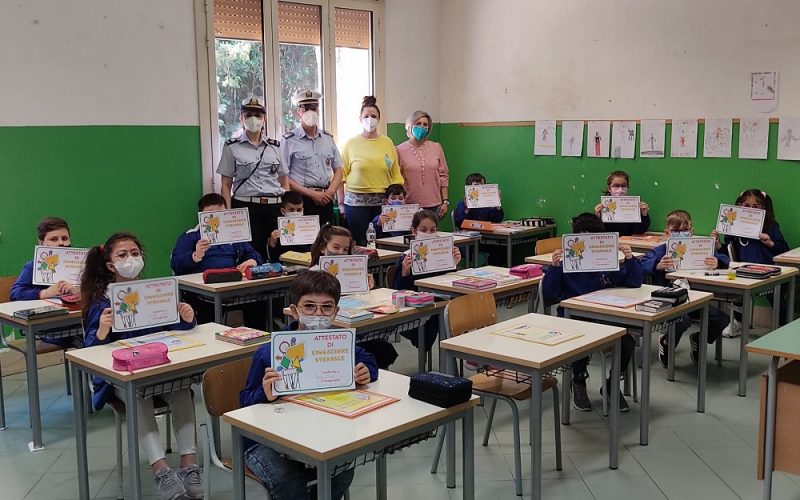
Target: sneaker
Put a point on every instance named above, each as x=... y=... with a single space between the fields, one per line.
x=734 y=329
x=663 y=351
x=623 y=404
x=580 y=398
x=694 y=342
x=169 y=484
x=192 y=480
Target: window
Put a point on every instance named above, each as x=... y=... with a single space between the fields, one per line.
x=354 y=68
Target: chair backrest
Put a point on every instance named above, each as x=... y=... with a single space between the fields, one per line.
x=548 y=245
x=6 y=282
x=390 y=272
x=221 y=386
x=470 y=312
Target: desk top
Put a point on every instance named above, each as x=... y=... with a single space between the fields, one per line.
x=783 y=342
x=790 y=258
x=504 y=229
x=304 y=258
x=546 y=259
x=722 y=280
x=7 y=310
x=99 y=357
x=398 y=241
x=324 y=436
x=646 y=241
x=484 y=343
x=642 y=293
x=444 y=282
x=195 y=281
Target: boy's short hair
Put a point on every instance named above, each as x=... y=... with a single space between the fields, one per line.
x=209 y=200
x=678 y=218
x=309 y=282
x=395 y=189
x=50 y=224
x=475 y=177
x=587 y=222
x=292 y=197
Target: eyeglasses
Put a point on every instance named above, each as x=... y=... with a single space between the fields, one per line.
x=751 y=205
x=123 y=254
x=309 y=308
x=619 y=185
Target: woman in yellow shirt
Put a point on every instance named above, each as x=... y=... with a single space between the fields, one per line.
x=369 y=165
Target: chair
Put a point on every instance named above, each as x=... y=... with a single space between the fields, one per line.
x=547 y=245
x=390 y=272
x=474 y=311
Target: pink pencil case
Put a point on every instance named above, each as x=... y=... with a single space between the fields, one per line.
x=526 y=271
x=130 y=359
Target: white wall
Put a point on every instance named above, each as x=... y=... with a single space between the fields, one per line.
x=506 y=60
x=412 y=58
x=98 y=62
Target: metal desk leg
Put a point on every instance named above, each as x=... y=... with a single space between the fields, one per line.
x=747 y=315
x=613 y=446
x=217 y=308
x=80 y=432
x=769 y=437
x=442 y=337
x=270 y=316
x=450 y=434
x=475 y=252
x=238 y=463
x=33 y=389
x=644 y=414
x=381 y=277
x=468 y=449
x=3 y=425
x=536 y=435
x=509 y=251
x=670 y=352
x=380 y=478
x=790 y=300
x=324 y=481
x=566 y=396
x=132 y=417
x=421 y=347
x=776 y=307
x=702 y=361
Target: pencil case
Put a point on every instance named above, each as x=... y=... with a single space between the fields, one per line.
x=264 y=271
x=413 y=299
x=526 y=271
x=439 y=389
x=222 y=275
x=130 y=359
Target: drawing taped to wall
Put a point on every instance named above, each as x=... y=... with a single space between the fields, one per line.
x=623 y=139
x=651 y=138
x=544 y=143
x=789 y=139
x=717 y=138
x=684 y=139
x=572 y=138
x=598 y=132
x=753 y=138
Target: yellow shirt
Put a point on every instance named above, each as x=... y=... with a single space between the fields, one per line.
x=370 y=165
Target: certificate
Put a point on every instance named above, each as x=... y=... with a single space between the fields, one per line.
x=173 y=341
x=350 y=270
x=432 y=255
x=225 y=226
x=144 y=303
x=537 y=335
x=734 y=220
x=348 y=404
x=313 y=360
x=482 y=195
x=298 y=230
x=399 y=217
x=590 y=252
x=690 y=253
x=620 y=209
x=54 y=264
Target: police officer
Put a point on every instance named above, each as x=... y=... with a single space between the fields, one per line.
x=315 y=166
x=253 y=175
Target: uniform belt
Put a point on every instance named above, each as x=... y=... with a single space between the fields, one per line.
x=318 y=189
x=264 y=200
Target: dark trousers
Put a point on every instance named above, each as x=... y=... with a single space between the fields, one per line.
x=717 y=321
x=254 y=313
x=325 y=212
x=579 y=372
x=358 y=219
x=263 y=220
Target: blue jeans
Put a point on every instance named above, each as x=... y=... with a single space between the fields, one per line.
x=287 y=479
x=358 y=219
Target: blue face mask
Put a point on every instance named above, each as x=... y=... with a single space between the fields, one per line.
x=418 y=132
x=680 y=234
x=395 y=202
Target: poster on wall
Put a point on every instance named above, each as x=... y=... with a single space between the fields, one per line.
x=544 y=143
x=597 y=139
x=651 y=138
x=717 y=135
x=684 y=139
x=753 y=138
x=572 y=138
x=789 y=139
x=623 y=139
x=763 y=91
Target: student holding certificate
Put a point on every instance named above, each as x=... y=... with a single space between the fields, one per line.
x=617 y=185
x=120 y=259
x=314 y=297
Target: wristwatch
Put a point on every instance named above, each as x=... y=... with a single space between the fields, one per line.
x=446 y=202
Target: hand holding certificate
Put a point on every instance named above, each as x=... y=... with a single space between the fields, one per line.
x=432 y=255
x=144 y=303
x=350 y=270
x=482 y=195
x=616 y=209
x=313 y=361
x=590 y=252
x=397 y=217
x=735 y=220
x=225 y=226
x=298 y=230
x=54 y=264
x=690 y=253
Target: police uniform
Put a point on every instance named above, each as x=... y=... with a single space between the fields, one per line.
x=311 y=160
x=255 y=169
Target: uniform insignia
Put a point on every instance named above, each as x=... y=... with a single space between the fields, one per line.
x=232 y=140
x=287 y=135
x=273 y=142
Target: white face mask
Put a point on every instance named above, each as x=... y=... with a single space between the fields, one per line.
x=425 y=236
x=369 y=124
x=315 y=322
x=130 y=267
x=293 y=214
x=618 y=191
x=253 y=124
x=310 y=118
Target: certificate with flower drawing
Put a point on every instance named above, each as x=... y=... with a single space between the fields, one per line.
x=225 y=226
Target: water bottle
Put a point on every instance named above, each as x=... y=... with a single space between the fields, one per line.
x=371 y=236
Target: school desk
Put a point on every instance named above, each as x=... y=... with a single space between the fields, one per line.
x=534 y=361
x=790 y=258
x=385 y=259
x=546 y=259
x=644 y=242
x=511 y=235
x=468 y=244
x=331 y=443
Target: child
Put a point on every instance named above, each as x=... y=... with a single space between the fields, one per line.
x=120 y=259
x=617 y=185
x=656 y=263
x=314 y=296
x=497 y=254
x=761 y=251
x=395 y=195
x=558 y=286
x=195 y=255
x=53 y=232
x=423 y=225
x=291 y=206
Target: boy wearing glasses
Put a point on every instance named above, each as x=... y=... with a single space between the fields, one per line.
x=314 y=299
x=315 y=166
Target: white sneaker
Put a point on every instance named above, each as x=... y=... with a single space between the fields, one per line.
x=734 y=329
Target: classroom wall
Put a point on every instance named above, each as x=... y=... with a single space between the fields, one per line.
x=99 y=123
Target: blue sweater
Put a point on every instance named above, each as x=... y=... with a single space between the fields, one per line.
x=216 y=257
x=654 y=256
x=489 y=214
x=747 y=250
x=558 y=286
x=628 y=228
x=23 y=288
x=103 y=391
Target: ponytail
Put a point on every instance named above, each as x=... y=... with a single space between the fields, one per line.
x=96 y=275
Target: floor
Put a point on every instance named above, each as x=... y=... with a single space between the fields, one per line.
x=690 y=455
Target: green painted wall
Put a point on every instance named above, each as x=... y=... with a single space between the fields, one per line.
x=101 y=179
x=563 y=187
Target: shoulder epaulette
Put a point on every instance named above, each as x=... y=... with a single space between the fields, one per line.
x=273 y=142
x=231 y=140
x=288 y=134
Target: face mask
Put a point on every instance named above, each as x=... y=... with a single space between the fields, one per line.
x=330 y=253
x=680 y=234
x=293 y=214
x=425 y=236
x=315 y=322
x=130 y=267
x=253 y=124
x=418 y=132
x=369 y=124
x=395 y=202
x=310 y=118
x=618 y=191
